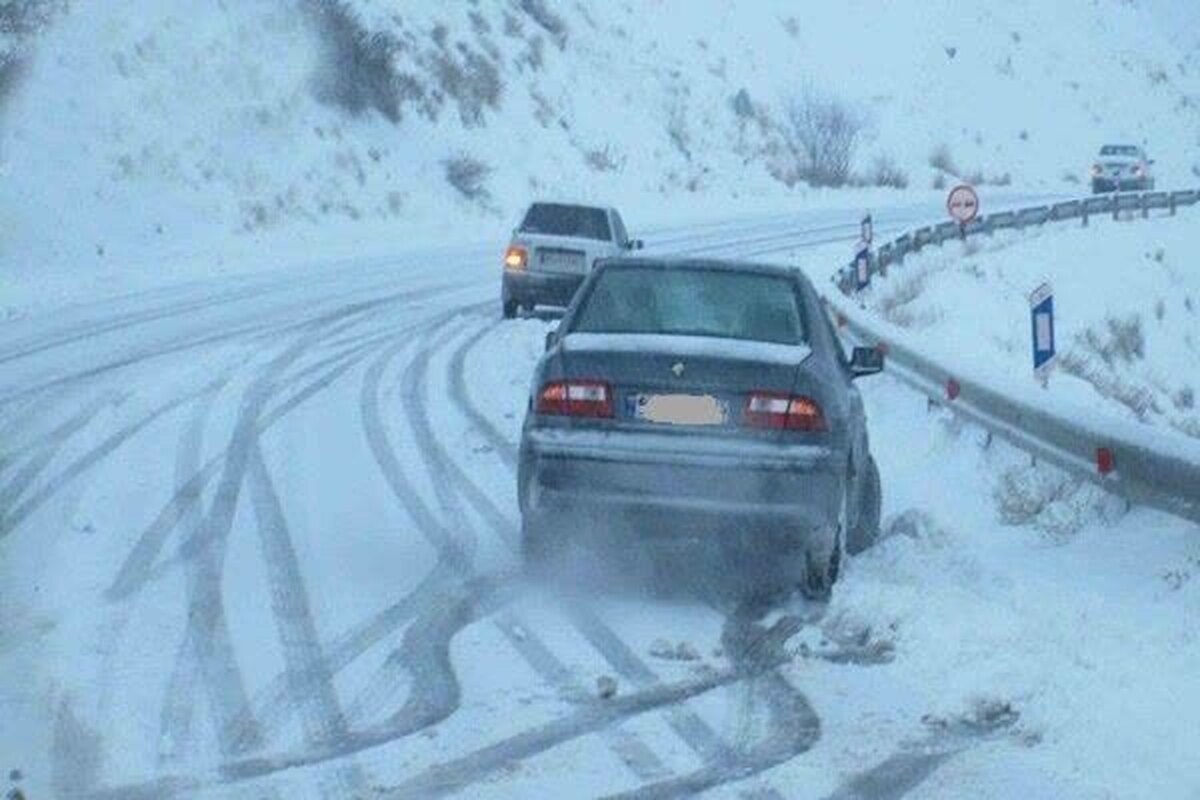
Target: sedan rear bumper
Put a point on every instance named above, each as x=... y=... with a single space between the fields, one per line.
x=530 y=287
x=664 y=487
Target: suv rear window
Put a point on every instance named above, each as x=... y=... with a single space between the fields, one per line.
x=562 y=220
x=692 y=302
x=1118 y=150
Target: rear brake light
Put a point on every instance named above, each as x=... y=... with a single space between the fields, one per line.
x=1097 y=170
x=575 y=399
x=783 y=412
x=516 y=258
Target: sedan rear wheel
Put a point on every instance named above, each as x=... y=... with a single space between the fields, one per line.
x=865 y=529
x=821 y=570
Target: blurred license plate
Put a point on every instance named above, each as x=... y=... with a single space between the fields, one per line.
x=552 y=259
x=679 y=409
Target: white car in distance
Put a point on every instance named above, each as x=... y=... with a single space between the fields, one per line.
x=553 y=250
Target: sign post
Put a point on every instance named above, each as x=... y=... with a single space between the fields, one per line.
x=1041 y=315
x=862 y=255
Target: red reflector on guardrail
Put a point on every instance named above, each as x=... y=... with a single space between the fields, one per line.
x=952 y=389
x=1105 y=461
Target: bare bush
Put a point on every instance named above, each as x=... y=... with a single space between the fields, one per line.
x=468 y=176
x=474 y=82
x=1138 y=399
x=603 y=159
x=940 y=159
x=1122 y=341
x=23 y=18
x=546 y=19
x=822 y=134
x=677 y=130
x=885 y=172
x=357 y=73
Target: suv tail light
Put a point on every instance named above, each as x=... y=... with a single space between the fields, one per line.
x=516 y=258
x=783 y=412
x=575 y=399
x=1097 y=170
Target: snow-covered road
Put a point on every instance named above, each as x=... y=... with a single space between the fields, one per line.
x=258 y=540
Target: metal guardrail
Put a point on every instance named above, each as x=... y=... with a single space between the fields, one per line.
x=1142 y=464
x=1083 y=209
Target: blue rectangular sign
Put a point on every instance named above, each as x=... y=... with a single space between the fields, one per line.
x=1041 y=314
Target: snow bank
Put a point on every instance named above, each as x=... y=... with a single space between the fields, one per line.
x=1127 y=303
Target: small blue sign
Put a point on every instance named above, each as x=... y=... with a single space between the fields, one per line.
x=1041 y=314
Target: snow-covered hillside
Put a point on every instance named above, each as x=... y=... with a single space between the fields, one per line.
x=148 y=141
x=1127 y=303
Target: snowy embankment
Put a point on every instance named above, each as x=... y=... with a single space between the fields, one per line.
x=148 y=143
x=1127 y=312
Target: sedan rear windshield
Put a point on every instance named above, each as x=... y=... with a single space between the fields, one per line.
x=1118 y=150
x=562 y=220
x=692 y=302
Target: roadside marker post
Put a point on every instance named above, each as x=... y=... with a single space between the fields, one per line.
x=862 y=254
x=1041 y=317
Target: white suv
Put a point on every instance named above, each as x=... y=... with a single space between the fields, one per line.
x=554 y=248
x=1122 y=168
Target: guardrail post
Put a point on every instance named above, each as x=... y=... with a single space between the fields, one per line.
x=1171 y=202
x=1145 y=207
x=1084 y=214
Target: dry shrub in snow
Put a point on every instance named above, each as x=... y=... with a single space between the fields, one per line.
x=603 y=159
x=357 y=74
x=941 y=160
x=1122 y=341
x=21 y=18
x=546 y=19
x=822 y=134
x=468 y=175
x=884 y=172
x=1050 y=500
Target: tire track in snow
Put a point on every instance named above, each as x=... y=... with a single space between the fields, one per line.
x=176 y=718
x=309 y=677
x=45 y=448
x=723 y=763
x=206 y=636
x=445 y=475
x=22 y=510
x=138 y=566
x=457 y=774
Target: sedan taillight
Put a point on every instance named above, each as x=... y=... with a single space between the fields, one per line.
x=783 y=412
x=575 y=398
x=516 y=258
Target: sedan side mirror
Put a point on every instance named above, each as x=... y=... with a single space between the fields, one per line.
x=551 y=338
x=866 y=361
x=634 y=244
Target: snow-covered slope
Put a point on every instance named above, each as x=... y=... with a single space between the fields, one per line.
x=1127 y=303
x=151 y=140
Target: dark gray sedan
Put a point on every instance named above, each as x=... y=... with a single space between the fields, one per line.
x=700 y=404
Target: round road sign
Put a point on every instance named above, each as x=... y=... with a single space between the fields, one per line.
x=963 y=204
